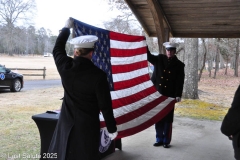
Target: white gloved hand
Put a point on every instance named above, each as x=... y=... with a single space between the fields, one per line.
x=113 y=135
x=69 y=23
x=178 y=99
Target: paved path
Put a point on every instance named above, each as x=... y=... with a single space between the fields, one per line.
x=192 y=140
x=41 y=84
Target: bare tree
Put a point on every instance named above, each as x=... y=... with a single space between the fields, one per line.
x=210 y=67
x=31 y=39
x=211 y=49
x=236 y=59
x=119 y=4
x=227 y=57
x=221 y=59
x=180 y=53
x=18 y=43
x=42 y=38
x=226 y=49
x=190 y=89
x=234 y=49
x=123 y=25
x=126 y=13
x=204 y=58
x=14 y=11
x=217 y=59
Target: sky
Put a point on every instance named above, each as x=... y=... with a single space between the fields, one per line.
x=52 y=14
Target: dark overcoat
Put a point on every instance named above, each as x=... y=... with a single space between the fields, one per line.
x=86 y=92
x=231 y=123
x=168 y=77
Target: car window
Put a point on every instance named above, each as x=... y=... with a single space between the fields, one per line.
x=2 y=69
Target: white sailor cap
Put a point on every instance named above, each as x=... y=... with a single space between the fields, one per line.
x=170 y=45
x=86 y=41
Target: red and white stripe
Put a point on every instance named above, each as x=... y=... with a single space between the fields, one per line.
x=136 y=102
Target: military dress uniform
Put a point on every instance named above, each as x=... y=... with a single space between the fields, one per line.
x=86 y=92
x=168 y=78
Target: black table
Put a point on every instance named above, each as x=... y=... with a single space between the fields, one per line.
x=46 y=123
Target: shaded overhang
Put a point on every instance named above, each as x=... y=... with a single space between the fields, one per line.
x=188 y=18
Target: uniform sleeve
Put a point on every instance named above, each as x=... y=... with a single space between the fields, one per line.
x=180 y=80
x=236 y=99
x=105 y=104
x=59 y=52
x=151 y=58
x=231 y=121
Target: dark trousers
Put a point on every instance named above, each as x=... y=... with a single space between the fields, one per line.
x=236 y=145
x=163 y=132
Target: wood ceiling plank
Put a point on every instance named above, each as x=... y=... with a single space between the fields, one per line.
x=139 y=2
x=194 y=18
x=205 y=22
x=202 y=5
x=144 y=25
x=203 y=17
x=201 y=11
x=208 y=35
x=173 y=2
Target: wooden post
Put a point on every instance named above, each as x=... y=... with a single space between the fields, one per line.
x=44 y=72
x=166 y=32
x=162 y=27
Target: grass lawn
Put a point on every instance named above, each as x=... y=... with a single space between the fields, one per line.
x=200 y=110
x=19 y=133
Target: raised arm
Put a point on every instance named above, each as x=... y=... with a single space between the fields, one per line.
x=151 y=58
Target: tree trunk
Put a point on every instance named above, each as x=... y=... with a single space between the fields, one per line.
x=204 y=59
x=221 y=61
x=210 y=73
x=226 y=68
x=227 y=58
x=236 y=60
x=217 y=59
x=190 y=89
x=210 y=66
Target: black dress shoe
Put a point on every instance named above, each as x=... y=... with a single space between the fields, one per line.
x=166 y=146
x=158 y=144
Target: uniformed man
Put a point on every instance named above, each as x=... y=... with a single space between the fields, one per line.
x=168 y=78
x=86 y=92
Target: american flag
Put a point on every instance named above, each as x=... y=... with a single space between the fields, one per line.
x=136 y=103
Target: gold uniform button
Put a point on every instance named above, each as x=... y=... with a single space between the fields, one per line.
x=163 y=70
x=167 y=79
x=165 y=86
x=160 y=84
x=169 y=72
x=162 y=77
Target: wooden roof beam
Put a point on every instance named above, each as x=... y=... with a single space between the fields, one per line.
x=159 y=24
x=131 y=6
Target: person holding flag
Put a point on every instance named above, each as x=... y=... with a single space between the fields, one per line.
x=86 y=93
x=168 y=78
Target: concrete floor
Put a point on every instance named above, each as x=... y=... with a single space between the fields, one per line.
x=191 y=140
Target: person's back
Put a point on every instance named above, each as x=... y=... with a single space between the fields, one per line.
x=81 y=83
x=86 y=93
